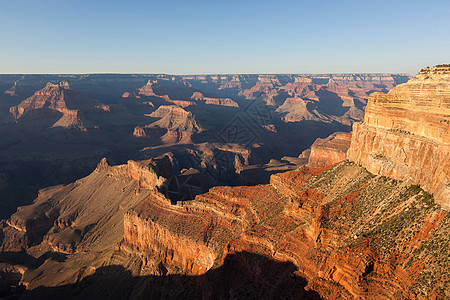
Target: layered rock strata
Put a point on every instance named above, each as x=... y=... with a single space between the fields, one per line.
x=179 y=125
x=61 y=99
x=64 y=217
x=350 y=234
x=329 y=151
x=197 y=96
x=406 y=133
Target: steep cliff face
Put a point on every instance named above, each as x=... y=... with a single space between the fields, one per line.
x=349 y=233
x=406 y=133
x=421 y=106
x=146 y=232
x=329 y=151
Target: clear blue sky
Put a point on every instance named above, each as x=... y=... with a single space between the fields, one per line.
x=246 y=36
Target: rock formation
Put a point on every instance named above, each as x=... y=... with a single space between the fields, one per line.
x=213 y=101
x=297 y=109
x=179 y=123
x=12 y=91
x=64 y=220
x=147 y=90
x=319 y=222
x=59 y=98
x=329 y=151
x=406 y=133
x=346 y=231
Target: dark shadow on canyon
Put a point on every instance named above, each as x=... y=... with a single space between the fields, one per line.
x=243 y=275
x=24 y=259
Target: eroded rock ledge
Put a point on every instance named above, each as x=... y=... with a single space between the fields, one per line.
x=329 y=151
x=350 y=234
x=406 y=133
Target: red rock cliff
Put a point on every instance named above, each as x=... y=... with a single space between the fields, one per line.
x=329 y=151
x=406 y=133
x=339 y=228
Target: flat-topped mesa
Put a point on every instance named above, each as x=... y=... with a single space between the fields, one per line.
x=406 y=133
x=214 y=101
x=165 y=110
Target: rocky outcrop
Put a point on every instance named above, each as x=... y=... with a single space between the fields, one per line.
x=64 y=220
x=197 y=96
x=60 y=98
x=11 y=91
x=297 y=109
x=339 y=228
x=130 y=95
x=147 y=90
x=421 y=106
x=144 y=175
x=51 y=97
x=146 y=232
x=180 y=125
x=405 y=134
x=329 y=151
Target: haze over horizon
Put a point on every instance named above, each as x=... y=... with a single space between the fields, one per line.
x=202 y=37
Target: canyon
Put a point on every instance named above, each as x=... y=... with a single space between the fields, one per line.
x=56 y=128
x=360 y=215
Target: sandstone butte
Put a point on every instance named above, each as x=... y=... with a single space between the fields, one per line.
x=197 y=96
x=349 y=232
x=179 y=124
x=59 y=98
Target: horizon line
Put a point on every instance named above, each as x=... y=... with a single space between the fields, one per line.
x=208 y=74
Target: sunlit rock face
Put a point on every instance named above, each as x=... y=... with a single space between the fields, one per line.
x=59 y=99
x=329 y=151
x=406 y=133
x=349 y=233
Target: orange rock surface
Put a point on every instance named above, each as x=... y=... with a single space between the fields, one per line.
x=406 y=133
x=329 y=151
x=330 y=225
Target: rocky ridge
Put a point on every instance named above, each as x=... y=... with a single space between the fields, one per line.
x=197 y=96
x=316 y=221
x=59 y=98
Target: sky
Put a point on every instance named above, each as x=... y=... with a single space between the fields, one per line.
x=210 y=37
